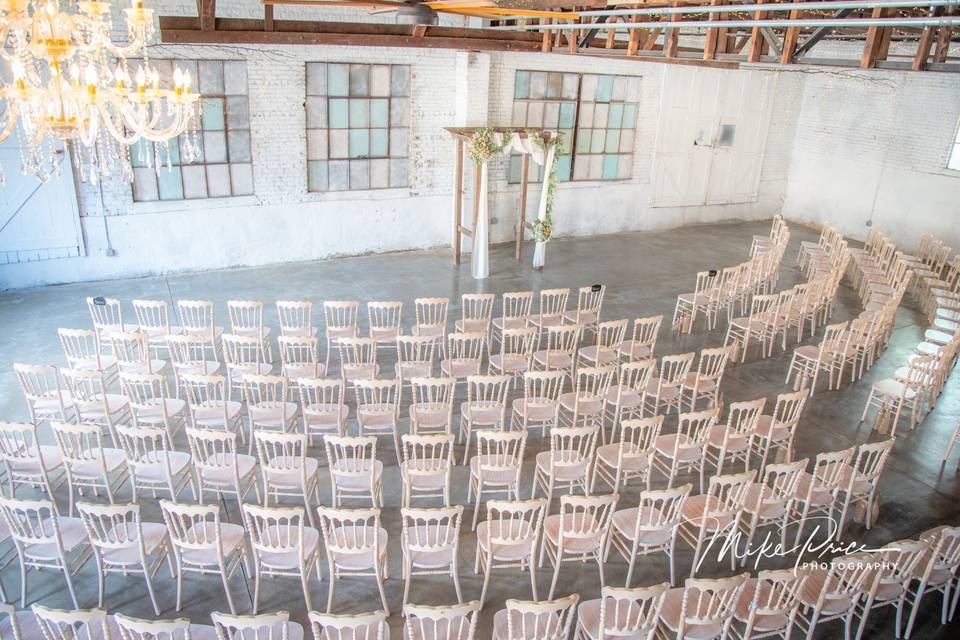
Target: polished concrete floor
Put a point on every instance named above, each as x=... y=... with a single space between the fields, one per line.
x=643 y=272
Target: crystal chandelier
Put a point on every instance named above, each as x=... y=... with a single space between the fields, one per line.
x=68 y=85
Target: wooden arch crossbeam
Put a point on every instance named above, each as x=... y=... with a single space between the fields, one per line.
x=461 y=136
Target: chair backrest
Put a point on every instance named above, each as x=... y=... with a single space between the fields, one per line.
x=341 y=315
x=645 y=332
x=214 y=450
x=80 y=346
x=146 y=448
x=706 y=281
x=281 y=452
x=590 y=300
x=205 y=392
x=661 y=509
x=516 y=305
x=242 y=350
x=514 y=522
x=726 y=495
x=712 y=363
x=384 y=314
x=358 y=351
x=193 y=526
x=787 y=410
x=544 y=619
x=674 y=369
x=18 y=444
x=477 y=307
x=265 y=626
x=829 y=469
x=638 y=437
x=351 y=456
x=488 y=392
x=500 y=451
x=146 y=391
x=553 y=303
x=921 y=371
x=246 y=317
x=630 y=612
x=694 y=428
x=296 y=317
x=130 y=349
x=360 y=626
x=431 y=530
x=40 y=382
x=299 y=352
x=112 y=526
x=742 y=416
x=518 y=344
x=79 y=443
x=572 y=446
x=945 y=549
x=634 y=376
x=763 y=306
x=777 y=596
x=583 y=517
x=265 y=393
x=188 y=351
x=610 y=334
x=834 y=338
x=152 y=314
x=542 y=388
x=431 y=312
x=592 y=383
x=899 y=561
x=451 y=621
x=274 y=529
x=197 y=316
x=139 y=629
x=415 y=350
x=870 y=459
x=352 y=531
x=466 y=347
x=106 y=314
x=563 y=339
x=428 y=454
x=781 y=479
x=31 y=522
x=709 y=602
x=846 y=580
x=380 y=397
x=433 y=394
x=85 y=386
x=79 y=624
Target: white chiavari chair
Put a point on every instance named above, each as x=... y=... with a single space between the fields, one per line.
x=456 y=622
x=198 y=318
x=383 y=322
x=154 y=464
x=151 y=404
x=360 y=626
x=268 y=407
x=770 y=502
x=686 y=449
x=203 y=544
x=540 y=404
x=219 y=467
x=210 y=405
x=78 y=624
x=45 y=540
x=153 y=320
x=323 y=407
x=28 y=462
x=809 y=361
x=188 y=355
x=818 y=492
x=663 y=390
x=775 y=433
x=559 y=352
x=629 y=457
x=47 y=398
x=705 y=381
x=131 y=351
x=643 y=339
x=621 y=613
x=296 y=318
x=88 y=464
x=378 y=409
x=476 y=313
x=833 y=593
x=860 y=481
x=515 y=307
x=937 y=573
x=342 y=320
x=893 y=397
x=93 y=403
x=139 y=629
x=414 y=358
x=509 y=538
x=246 y=319
x=568 y=464
x=713 y=514
x=768 y=605
x=626 y=393
x=358 y=359
x=589 y=304
x=356 y=545
x=484 y=409
x=300 y=358
x=464 y=355
x=897 y=564
x=551 y=308
x=754 y=327
x=700 y=301
x=732 y=439
x=427 y=466
x=703 y=608
x=354 y=468
x=286 y=468
x=430 y=540
x=243 y=355
x=516 y=352
x=587 y=404
x=431 y=410
x=430 y=319
x=496 y=467
x=122 y=543
x=536 y=620
x=266 y=626
x=282 y=547
x=578 y=532
x=650 y=527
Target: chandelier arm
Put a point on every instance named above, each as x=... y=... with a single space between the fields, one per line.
x=118 y=131
x=10 y=115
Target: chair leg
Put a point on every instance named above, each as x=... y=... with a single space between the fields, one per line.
x=226 y=588
x=556 y=574
x=383 y=596
x=456 y=581
x=533 y=579
x=333 y=581
x=69 y=580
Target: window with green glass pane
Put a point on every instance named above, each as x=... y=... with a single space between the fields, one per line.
x=223 y=167
x=357 y=126
x=595 y=113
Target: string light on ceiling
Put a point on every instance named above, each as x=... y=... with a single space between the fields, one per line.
x=67 y=85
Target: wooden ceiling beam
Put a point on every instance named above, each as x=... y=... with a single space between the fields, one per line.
x=207 y=10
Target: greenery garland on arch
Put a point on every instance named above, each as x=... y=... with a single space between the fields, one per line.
x=483 y=144
x=542 y=230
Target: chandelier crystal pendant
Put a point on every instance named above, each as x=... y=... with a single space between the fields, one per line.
x=68 y=85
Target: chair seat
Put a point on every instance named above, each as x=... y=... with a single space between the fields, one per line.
x=759 y=500
x=538 y=410
x=576 y=544
x=599 y=355
x=231 y=538
x=325 y=415
x=429 y=415
x=385 y=335
x=586 y=316
x=207 y=368
x=334 y=333
x=634 y=458
x=213 y=415
x=685 y=449
x=222 y=474
x=810 y=352
x=154 y=469
x=546 y=320
x=460 y=368
x=704 y=385
x=113 y=459
x=154 y=535
x=767 y=429
x=504 y=471
x=296 y=371
x=625 y=522
x=509 y=323
x=289 y=559
x=667 y=392
x=429 y=536
x=472 y=325
x=635 y=350
x=860 y=484
x=49 y=454
x=812 y=589
x=509 y=363
x=629 y=397
x=352 y=537
x=356 y=477
x=429 y=331
x=486 y=416
x=670 y=614
x=277 y=417
x=153 y=413
x=72 y=535
x=937 y=337
x=425 y=475
x=408 y=370
x=735 y=441
x=819 y=496
x=94 y=409
x=893 y=389
x=143 y=367
x=553 y=359
x=589 y=405
x=51 y=406
x=508 y=552
x=762 y=622
x=359 y=371
x=573 y=467
x=298 y=332
x=377 y=420
x=286 y=473
x=705 y=510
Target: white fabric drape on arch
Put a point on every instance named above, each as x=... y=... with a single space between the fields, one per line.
x=480 y=258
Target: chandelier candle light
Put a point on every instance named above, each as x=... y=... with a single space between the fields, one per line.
x=68 y=85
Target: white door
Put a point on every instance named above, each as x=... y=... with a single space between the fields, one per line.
x=713 y=128
x=38 y=220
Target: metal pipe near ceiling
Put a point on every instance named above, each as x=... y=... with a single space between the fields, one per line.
x=706 y=24
x=773 y=7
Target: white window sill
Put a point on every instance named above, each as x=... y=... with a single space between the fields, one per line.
x=168 y=206
x=351 y=194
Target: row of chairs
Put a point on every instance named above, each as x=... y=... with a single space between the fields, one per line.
x=774 y=603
